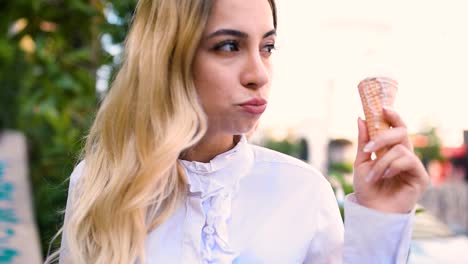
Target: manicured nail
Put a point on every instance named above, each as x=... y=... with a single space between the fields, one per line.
x=368 y=147
x=388 y=108
x=370 y=176
x=387 y=171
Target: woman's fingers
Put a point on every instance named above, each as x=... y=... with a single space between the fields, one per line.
x=363 y=138
x=389 y=138
x=393 y=118
x=409 y=164
x=383 y=165
x=398 y=166
x=396 y=161
x=386 y=139
x=397 y=135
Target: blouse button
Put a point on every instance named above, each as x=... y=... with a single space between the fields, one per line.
x=208 y=230
x=210 y=241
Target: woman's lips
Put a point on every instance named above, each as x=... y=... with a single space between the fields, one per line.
x=254 y=106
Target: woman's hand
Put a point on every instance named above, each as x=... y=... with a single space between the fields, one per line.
x=394 y=182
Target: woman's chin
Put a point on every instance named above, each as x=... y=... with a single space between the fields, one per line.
x=247 y=128
x=235 y=126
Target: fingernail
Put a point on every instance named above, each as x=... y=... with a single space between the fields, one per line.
x=370 y=176
x=387 y=171
x=368 y=147
x=388 y=108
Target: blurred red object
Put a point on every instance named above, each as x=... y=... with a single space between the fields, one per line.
x=439 y=171
x=420 y=141
x=454 y=152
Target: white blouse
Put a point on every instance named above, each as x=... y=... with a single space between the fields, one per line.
x=252 y=205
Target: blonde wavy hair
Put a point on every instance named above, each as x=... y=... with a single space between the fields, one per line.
x=132 y=180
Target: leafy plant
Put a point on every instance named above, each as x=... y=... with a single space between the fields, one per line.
x=431 y=150
x=50 y=52
x=286 y=146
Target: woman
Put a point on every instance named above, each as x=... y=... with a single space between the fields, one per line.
x=169 y=177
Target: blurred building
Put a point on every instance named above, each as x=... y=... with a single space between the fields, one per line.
x=340 y=151
x=311 y=135
x=315 y=133
x=447 y=197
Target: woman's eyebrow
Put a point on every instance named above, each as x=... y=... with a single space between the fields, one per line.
x=228 y=32
x=237 y=33
x=270 y=33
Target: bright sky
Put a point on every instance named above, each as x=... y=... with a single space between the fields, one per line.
x=327 y=47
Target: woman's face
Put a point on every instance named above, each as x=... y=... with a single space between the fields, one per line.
x=232 y=67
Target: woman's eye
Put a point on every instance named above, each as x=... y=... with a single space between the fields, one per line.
x=228 y=46
x=269 y=48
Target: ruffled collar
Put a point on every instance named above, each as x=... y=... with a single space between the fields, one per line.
x=216 y=183
x=222 y=172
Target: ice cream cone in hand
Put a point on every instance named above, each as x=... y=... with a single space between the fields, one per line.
x=376 y=93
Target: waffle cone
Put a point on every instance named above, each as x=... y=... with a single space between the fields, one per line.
x=376 y=93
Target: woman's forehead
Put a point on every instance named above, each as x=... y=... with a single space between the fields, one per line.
x=246 y=15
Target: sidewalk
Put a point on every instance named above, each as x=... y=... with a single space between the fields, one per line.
x=19 y=241
x=449 y=203
x=439 y=233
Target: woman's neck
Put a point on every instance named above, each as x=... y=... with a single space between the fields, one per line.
x=210 y=146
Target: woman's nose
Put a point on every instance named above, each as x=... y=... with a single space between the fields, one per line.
x=255 y=73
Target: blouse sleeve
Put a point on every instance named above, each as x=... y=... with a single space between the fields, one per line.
x=326 y=246
x=369 y=237
x=73 y=180
x=375 y=237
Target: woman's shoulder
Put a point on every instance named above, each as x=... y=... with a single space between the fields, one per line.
x=286 y=167
x=271 y=157
x=267 y=155
x=77 y=172
x=293 y=181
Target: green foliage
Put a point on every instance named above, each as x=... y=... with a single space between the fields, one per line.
x=336 y=172
x=433 y=149
x=285 y=146
x=347 y=187
x=341 y=167
x=49 y=54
